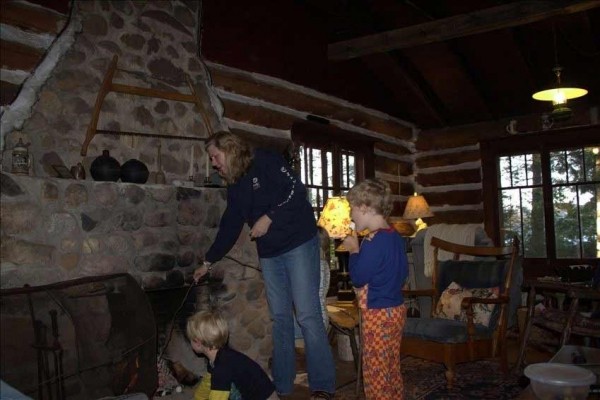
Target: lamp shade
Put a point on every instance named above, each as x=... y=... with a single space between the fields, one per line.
x=559 y=95
x=335 y=218
x=416 y=208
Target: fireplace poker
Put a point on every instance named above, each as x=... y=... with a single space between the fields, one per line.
x=42 y=347
x=57 y=353
x=36 y=338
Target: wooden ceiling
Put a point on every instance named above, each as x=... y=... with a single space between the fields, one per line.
x=436 y=63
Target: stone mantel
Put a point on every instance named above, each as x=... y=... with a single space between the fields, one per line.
x=57 y=229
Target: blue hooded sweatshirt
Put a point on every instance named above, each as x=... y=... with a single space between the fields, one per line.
x=269 y=187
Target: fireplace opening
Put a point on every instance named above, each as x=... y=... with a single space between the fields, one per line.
x=82 y=339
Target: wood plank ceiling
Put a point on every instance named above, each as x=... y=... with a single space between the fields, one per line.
x=432 y=62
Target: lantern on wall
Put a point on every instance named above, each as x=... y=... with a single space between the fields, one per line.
x=20 y=159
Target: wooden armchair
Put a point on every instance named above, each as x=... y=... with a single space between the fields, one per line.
x=481 y=289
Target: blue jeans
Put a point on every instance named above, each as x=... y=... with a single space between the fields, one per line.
x=292 y=282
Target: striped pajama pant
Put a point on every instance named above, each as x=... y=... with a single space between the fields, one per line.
x=381 y=340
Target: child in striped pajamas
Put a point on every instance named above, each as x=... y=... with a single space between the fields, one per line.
x=378 y=268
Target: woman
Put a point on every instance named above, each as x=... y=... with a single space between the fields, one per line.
x=265 y=193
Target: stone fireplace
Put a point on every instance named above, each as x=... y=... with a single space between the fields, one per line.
x=56 y=230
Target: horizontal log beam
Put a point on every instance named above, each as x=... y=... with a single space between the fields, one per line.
x=489 y=19
x=15 y=56
x=279 y=145
x=393 y=167
x=34 y=19
x=454 y=198
x=447 y=138
x=442 y=160
x=456 y=217
x=392 y=148
x=8 y=92
x=258 y=115
x=249 y=86
x=450 y=178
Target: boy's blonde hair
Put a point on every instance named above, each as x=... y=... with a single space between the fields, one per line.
x=209 y=328
x=238 y=154
x=374 y=193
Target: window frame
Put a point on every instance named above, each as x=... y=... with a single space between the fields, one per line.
x=330 y=138
x=543 y=142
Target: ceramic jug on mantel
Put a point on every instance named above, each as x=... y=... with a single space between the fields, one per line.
x=105 y=168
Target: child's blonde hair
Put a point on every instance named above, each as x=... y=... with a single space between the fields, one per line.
x=209 y=328
x=374 y=193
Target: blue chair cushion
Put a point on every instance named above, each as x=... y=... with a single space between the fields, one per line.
x=441 y=330
x=471 y=274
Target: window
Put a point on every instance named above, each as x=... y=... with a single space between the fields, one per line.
x=316 y=171
x=544 y=188
x=331 y=160
x=575 y=187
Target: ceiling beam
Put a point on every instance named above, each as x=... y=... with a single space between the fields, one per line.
x=489 y=19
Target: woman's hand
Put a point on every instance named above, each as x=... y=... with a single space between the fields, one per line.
x=350 y=242
x=200 y=272
x=261 y=227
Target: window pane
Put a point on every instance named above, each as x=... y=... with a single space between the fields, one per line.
x=518 y=170
x=534 y=233
x=522 y=215
x=510 y=213
x=317 y=171
x=589 y=203
x=521 y=170
x=558 y=166
x=592 y=164
x=568 y=166
x=504 y=171
x=352 y=171
x=329 y=168
x=313 y=196
x=566 y=221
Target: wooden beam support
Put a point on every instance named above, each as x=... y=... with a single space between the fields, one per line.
x=489 y=19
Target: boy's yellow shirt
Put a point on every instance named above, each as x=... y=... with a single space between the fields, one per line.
x=203 y=391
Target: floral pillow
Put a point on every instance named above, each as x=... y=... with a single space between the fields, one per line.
x=448 y=306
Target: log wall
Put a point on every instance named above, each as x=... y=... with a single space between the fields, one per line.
x=264 y=109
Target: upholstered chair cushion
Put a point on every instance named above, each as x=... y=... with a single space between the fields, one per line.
x=449 y=304
x=469 y=274
x=441 y=330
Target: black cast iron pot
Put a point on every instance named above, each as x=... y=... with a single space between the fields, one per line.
x=134 y=171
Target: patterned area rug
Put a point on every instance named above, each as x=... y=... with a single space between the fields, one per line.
x=424 y=380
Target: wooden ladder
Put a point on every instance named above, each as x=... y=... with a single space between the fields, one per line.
x=109 y=86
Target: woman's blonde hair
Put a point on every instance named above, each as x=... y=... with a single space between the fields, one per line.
x=209 y=328
x=374 y=193
x=238 y=154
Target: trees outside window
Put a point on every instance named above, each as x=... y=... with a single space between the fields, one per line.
x=545 y=189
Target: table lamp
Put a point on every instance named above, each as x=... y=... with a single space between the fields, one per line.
x=335 y=219
x=417 y=208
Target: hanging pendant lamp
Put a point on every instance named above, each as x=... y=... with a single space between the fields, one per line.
x=559 y=95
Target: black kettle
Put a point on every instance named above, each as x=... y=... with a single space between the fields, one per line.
x=105 y=168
